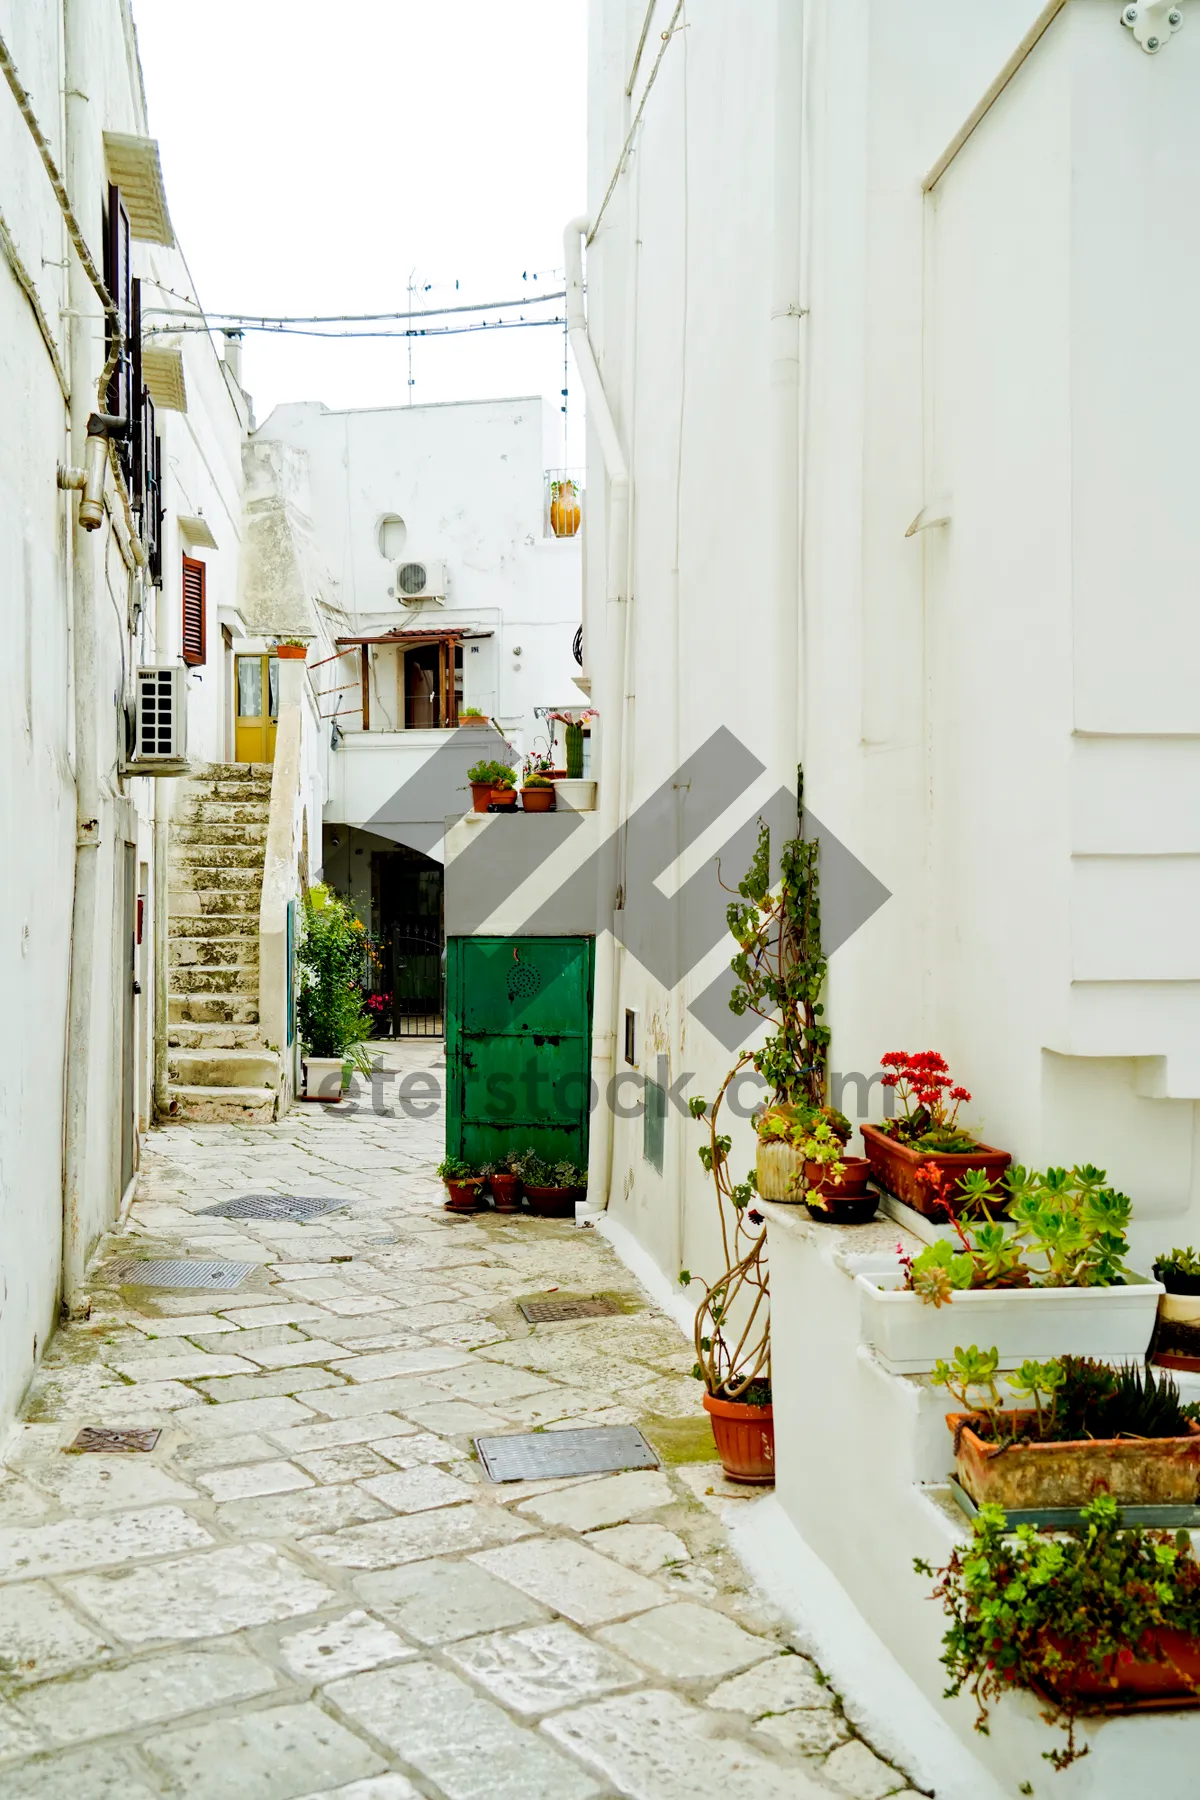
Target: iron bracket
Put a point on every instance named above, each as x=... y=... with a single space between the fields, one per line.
x=1152 y=22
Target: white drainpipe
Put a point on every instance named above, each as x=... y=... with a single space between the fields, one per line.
x=787 y=397
x=612 y=705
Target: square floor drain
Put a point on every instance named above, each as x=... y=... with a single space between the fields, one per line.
x=538 y=1455
x=182 y=1272
x=272 y=1206
x=544 y=1312
x=113 y=1437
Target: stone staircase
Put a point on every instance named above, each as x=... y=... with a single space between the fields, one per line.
x=219 y=1066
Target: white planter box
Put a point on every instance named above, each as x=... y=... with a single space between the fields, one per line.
x=909 y=1334
x=575 y=796
x=323 y=1077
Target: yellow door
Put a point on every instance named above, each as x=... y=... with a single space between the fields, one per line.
x=257 y=709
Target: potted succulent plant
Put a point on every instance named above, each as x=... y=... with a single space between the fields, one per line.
x=506 y=1182
x=492 y=784
x=471 y=715
x=1092 y=1429
x=576 y=794
x=1091 y=1618
x=552 y=1189
x=926 y=1130
x=1177 y=1338
x=464 y=1184
x=537 y=791
x=1051 y=1282
x=782 y=1129
x=833 y=1186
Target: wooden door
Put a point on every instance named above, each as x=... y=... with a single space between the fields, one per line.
x=257 y=684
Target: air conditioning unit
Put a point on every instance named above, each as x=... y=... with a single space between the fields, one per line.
x=159 y=722
x=420 y=581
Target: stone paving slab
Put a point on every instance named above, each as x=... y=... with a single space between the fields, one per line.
x=309 y=1589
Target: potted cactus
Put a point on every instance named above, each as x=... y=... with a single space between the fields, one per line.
x=1177 y=1336
x=576 y=794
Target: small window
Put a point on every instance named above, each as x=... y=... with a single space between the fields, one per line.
x=631 y=1037
x=194 y=636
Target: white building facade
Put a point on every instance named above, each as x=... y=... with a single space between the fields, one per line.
x=901 y=477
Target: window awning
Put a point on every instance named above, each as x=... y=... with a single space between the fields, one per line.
x=413 y=640
x=133 y=164
x=162 y=371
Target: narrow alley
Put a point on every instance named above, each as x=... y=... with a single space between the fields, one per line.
x=308 y=1586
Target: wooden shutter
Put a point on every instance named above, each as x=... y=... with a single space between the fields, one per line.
x=139 y=399
x=118 y=278
x=152 y=515
x=193 y=611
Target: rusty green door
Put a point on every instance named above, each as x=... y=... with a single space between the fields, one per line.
x=518 y=1046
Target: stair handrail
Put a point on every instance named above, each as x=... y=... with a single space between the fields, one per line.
x=282 y=877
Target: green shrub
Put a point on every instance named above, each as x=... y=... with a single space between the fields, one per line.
x=333 y=957
x=453 y=1168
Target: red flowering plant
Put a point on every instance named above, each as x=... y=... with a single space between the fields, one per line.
x=928 y=1101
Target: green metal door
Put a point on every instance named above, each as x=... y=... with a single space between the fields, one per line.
x=518 y=1046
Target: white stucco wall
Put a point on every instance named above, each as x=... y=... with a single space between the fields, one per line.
x=42 y=552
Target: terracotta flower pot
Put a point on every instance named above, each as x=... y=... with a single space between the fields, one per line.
x=853 y=1184
x=537 y=799
x=552 y=1202
x=481 y=795
x=745 y=1438
x=464 y=1195
x=506 y=1192
x=291 y=652
x=473 y=719
x=894 y=1166
x=504 y=796
x=1134 y=1471
x=1165 y=1665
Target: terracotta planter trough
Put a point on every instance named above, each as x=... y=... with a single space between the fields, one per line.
x=894 y=1166
x=1028 y=1476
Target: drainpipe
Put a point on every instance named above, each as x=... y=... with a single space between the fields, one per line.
x=83 y=176
x=787 y=398
x=612 y=707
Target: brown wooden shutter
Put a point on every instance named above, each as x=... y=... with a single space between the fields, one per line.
x=193 y=611
x=118 y=278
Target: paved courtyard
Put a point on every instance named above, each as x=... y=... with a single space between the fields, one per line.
x=309 y=1587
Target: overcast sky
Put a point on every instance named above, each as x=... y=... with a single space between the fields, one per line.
x=314 y=154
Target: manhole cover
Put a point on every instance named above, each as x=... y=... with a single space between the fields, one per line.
x=543 y=1312
x=182 y=1272
x=113 y=1437
x=272 y=1206
x=537 y=1455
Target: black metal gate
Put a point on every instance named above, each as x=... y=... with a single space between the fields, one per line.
x=409 y=898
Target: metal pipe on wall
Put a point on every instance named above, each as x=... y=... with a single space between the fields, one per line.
x=604 y=1029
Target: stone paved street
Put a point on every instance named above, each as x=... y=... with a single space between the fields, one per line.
x=309 y=1587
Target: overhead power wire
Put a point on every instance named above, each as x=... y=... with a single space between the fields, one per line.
x=267 y=321
x=25 y=106
x=275 y=330
x=667 y=36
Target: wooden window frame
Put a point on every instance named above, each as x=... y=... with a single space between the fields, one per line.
x=194 y=657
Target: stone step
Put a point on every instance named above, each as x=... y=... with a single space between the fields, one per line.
x=222 y=1036
x=216 y=856
x=224 y=1068
x=185 y=876
x=221 y=1106
x=221 y=834
x=212 y=1009
x=217 y=980
x=251 y=809
x=199 y=953
x=239 y=772
x=210 y=902
x=214 y=925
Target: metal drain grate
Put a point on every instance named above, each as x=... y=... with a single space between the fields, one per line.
x=272 y=1206
x=538 y=1455
x=544 y=1312
x=182 y=1272
x=115 y=1437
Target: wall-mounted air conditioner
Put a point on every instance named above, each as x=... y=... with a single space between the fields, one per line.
x=420 y=581
x=158 y=726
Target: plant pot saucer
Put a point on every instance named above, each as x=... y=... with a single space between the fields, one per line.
x=1060 y=1518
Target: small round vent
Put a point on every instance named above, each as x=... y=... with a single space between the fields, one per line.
x=412 y=578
